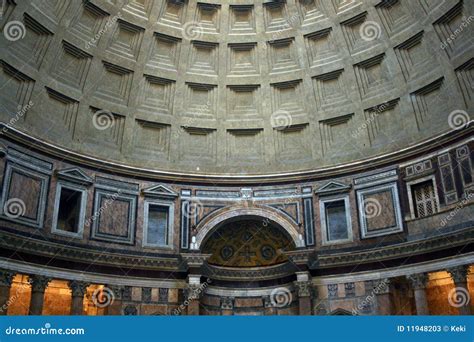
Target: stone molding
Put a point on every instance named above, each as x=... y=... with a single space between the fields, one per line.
x=418 y=281
x=78 y=288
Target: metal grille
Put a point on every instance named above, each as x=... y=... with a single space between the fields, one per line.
x=425 y=200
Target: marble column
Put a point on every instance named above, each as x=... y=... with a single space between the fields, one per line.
x=193 y=293
x=304 y=290
x=6 y=278
x=78 y=290
x=384 y=299
x=418 y=283
x=38 y=286
x=461 y=298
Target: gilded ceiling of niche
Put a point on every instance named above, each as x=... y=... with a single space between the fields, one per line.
x=247 y=244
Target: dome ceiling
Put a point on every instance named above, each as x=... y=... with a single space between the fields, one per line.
x=235 y=86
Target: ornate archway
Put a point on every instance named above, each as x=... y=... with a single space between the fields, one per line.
x=265 y=214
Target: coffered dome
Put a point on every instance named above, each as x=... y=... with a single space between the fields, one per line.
x=236 y=86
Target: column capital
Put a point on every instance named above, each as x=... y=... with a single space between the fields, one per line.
x=78 y=288
x=6 y=277
x=39 y=283
x=459 y=273
x=418 y=280
x=304 y=288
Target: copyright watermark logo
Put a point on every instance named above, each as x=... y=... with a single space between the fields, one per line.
x=281 y=297
x=14 y=30
x=370 y=31
x=14 y=208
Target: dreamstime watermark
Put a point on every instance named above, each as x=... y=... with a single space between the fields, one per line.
x=14 y=208
x=376 y=111
x=192 y=208
x=46 y=330
x=458 y=119
x=103 y=297
x=18 y=115
x=370 y=298
x=370 y=31
x=108 y=202
x=464 y=24
x=458 y=297
x=372 y=208
x=14 y=297
x=103 y=119
x=281 y=119
x=456 y=210
x=14 y=30
x=106 y=27
x=281 y=297
x=192 y=30
x=192 y=296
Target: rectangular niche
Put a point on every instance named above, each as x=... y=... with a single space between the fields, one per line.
x=115 y=84
x=32 y=48
x=320 y=47
x=158 y=223
x=69 y=209
x=282 y=56
x=291 y=143
x=330 y=89
x=126 y=40
x=152 y=138
x=111 y=133
x=114 y=219
x=157 y=95
x=242 y=60
x=242 y=19
x=200 y=100
x=466 y=81
x=428 y=102
x=373 y=77
x=71 y=66
x=204 y=58
x=334 y=134
x=88 y=22
x=62 y=115
x=243 y=101
x=165 y=52
x=24 y=193
x=286 y=97
x=336 y=222
x=245 y=146
x=198 y=144
x=384 y=122
x=173 y=13
x=395 y=16
x=311 y=11
x=453 y=30
x=19 y=90
x=379 y=210
x=208 y=17
x=352 y=29
x=276 y=16
x=414 y=57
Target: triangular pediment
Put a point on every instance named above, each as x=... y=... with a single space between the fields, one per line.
x=75 y=175
x=159 y=191
x=333 y=188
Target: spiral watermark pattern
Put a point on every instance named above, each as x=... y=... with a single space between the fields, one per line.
x=14 y=30
x=14 y=208
x=458 y=119
x=103 y=119
x=281 y=297
x=458 y=297
x=372 y=208
x=370 y=31
x=103 y=297
x=281 y=119
x=192 y=209
x=192 y=30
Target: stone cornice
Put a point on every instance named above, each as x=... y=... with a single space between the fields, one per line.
x=71 y=253
x=400 y=250
x=65 y=154
x=260 y=273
